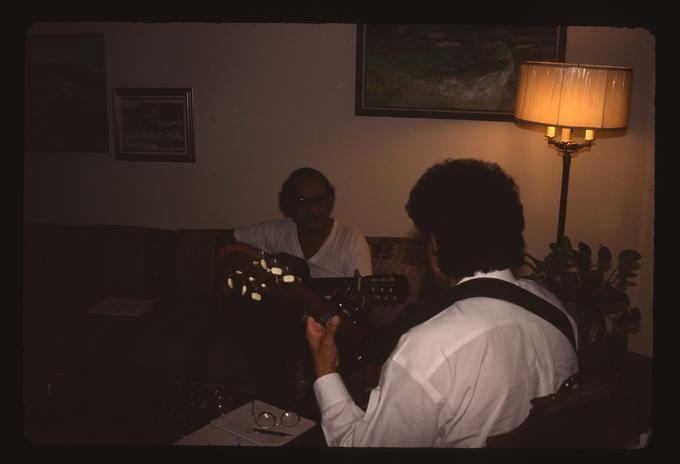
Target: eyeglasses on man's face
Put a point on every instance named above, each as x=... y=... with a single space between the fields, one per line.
x=308 y=202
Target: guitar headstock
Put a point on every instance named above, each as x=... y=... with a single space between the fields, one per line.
x=388 y=289
x=251 y=273
x=364 y=292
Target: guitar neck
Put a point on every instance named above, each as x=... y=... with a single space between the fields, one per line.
x=302 y=296
x=326 y=285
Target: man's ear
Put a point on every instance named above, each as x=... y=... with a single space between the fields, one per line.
x=331 y=202
x=441 y=279
x=432 y=251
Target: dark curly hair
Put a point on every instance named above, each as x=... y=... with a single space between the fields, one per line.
x=473 y=210
x=287 y=192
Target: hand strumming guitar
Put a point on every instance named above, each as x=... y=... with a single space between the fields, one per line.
x=322 y=345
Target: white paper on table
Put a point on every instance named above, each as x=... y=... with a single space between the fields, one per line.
x=241 y=422
x=211 y=435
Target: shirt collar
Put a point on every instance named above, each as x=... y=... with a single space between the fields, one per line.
x=504 y=274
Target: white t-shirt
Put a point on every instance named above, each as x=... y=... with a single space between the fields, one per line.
x=467 y=373
x=345 y=249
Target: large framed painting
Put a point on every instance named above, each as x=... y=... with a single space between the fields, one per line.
x=447 y=71
x=65 y=107
x=154 y=124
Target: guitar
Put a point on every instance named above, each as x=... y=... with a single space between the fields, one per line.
x=256 y=275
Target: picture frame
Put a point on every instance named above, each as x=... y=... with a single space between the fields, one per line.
x=154 y=124
x=447 y=71
x=65 y=104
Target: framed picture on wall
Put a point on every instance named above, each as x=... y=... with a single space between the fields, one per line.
x=154 y=124
x=65 y=107
x=447 y=71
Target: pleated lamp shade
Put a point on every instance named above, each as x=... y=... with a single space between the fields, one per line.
x=573 y=95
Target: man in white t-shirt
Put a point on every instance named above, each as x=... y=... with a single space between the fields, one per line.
x=471 y=370
x=307 y=231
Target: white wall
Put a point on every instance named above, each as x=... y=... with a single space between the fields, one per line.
x=272 y=97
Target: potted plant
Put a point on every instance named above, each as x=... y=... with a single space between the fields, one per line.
x=594 y=292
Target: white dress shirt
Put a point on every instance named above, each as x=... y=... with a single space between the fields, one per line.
x=467 y=373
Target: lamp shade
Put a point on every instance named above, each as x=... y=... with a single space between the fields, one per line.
x=573 y=95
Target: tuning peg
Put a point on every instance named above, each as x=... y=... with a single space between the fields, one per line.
x=230 y=282
x=256 y=296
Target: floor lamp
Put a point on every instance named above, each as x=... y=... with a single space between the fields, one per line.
x=572 y=96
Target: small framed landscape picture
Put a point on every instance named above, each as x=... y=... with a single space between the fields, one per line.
x=154 y=124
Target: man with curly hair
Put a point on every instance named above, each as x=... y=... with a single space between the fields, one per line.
x=470 y=371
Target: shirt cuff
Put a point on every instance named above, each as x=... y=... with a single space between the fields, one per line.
x=329 y=390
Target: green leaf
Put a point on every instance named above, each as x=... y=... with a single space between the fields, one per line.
x=635 y=327
x=621 y=284
x=604 y=255
x=623 y=320
x=624 y=275
x=566 y=244
x=604 y=258
x=592 y=280
x=629 y=265
x=571 y=279
x=538 y=263
x=583 y=262
x=552 y=264
x=584 y=249
x=635 y=315
x=629 y=255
